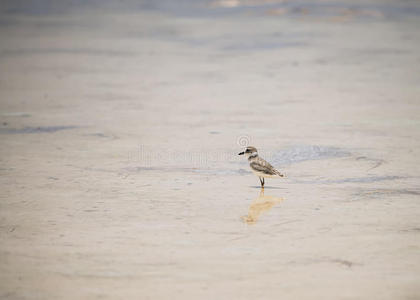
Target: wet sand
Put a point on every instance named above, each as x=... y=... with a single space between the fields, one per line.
x=120 y=128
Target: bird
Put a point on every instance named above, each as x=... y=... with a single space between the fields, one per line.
x=259 y=166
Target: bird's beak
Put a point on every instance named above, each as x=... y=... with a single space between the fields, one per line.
x=242 y=153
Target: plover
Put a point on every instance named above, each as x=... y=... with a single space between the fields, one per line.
x=259 y=166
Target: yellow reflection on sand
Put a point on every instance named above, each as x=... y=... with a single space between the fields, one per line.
x=259 y=206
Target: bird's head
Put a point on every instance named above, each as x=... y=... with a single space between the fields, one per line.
x=249 y=151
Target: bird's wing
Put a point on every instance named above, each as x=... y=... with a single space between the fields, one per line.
x=262 y=166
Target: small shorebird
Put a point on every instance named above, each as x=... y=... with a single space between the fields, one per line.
x=259 y=166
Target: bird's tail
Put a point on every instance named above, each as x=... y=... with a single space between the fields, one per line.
x=280 y=174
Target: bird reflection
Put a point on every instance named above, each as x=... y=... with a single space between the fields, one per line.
x=259 y=206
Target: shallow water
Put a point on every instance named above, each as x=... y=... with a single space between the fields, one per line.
x=46 y=129
x=120 y=126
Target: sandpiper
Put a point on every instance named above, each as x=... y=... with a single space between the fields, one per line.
x=259 y=166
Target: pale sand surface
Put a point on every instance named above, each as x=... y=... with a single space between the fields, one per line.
x=119 y=138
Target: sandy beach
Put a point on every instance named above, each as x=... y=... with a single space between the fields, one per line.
x=120 y=125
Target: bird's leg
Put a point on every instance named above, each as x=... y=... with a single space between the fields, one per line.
x=262 y=183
